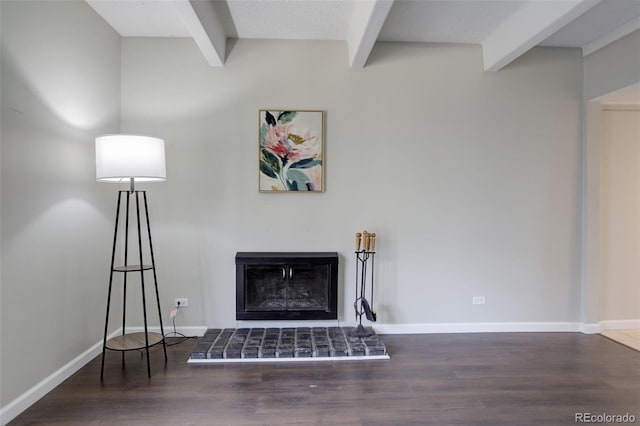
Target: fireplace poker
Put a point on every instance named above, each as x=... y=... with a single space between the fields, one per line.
x=373 y=259
x=365 y=249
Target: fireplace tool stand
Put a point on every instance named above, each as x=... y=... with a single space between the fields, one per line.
x=364 y=277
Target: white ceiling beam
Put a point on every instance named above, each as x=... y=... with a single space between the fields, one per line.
x=532 y=23
x=205 y=27
x=611 y=36
x=366 y=23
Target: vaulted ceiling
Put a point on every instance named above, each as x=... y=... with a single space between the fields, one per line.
x=505 y=28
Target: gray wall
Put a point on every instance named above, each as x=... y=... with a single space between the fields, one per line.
x=60 y=87
x=470 y=179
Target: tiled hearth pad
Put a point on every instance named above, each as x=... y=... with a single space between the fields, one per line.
x=286 y=344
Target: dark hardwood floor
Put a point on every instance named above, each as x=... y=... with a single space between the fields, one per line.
x=439 y=379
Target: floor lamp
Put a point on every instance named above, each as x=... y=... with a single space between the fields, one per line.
x=130 y=159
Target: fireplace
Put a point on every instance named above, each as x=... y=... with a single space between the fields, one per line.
x=286 y=286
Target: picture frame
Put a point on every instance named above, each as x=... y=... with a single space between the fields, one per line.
x=290 y=150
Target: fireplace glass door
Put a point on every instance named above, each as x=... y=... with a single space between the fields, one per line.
x=287 y=288
x=299 y=286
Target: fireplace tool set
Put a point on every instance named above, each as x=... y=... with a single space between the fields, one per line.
x=367 y=242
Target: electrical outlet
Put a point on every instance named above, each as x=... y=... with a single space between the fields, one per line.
x=477 y=300
x=182 y=302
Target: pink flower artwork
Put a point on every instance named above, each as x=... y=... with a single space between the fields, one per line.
x=291 y=151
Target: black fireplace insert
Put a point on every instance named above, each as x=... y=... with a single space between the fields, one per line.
x=286 y=286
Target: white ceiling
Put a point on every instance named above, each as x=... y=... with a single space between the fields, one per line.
x=445 y=21
x=505 y=28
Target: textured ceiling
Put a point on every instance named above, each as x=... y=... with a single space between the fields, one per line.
x=505 y=28
x=445 y=21
x=602 y=19
x=303 y=20
x=141 y=18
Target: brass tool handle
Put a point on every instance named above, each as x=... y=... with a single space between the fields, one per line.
x=373 y=242
x=358 y=239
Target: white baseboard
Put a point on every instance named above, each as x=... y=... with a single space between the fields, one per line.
x=30 y=397
x=620 y=324
x=24 y=401
x=478 y=327
x=168 y=331
x=430 y=328
x=591 y=328
x=421 y=328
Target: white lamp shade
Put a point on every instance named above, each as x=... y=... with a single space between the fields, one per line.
x=121 y=157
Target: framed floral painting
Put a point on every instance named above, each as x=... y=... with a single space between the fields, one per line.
x=291 y=154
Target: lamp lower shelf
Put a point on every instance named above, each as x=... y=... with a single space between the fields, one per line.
x=132 y=268
x=133 y=341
